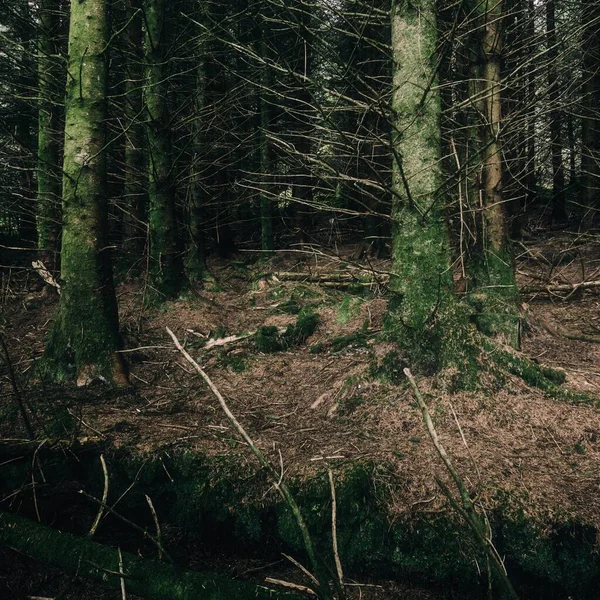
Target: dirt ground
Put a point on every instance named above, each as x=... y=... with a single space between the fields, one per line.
x=326 y=406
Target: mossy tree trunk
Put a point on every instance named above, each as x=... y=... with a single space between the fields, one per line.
x=196 y=256
x=266 y=204
x=494 y=292
x=166 y=264
x=559 y=207
x=135 y=186
x=84 y=336
x=531 y=177
x=24 y=119
x=590 y=122
x=424 y=318
x=49 y=118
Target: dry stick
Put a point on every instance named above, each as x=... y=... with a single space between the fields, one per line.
x=288 y=584
x=467 y=510
x=561 y=287
x=104 y=498
x=281 y=487
x=34 y=482
x=156 y=524
x=123 y=591
x=336 y=556
x=119 y=516
x=301 y=567
x=15 y=388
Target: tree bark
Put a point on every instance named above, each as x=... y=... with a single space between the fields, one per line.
x=196 y=257
x=135 y=187
x=559 y=207
x=166 y=265
x=49 y=117
x=424 y=317
x=495 y=293
x=590 y=121
x=84 y=335
x=266 y=204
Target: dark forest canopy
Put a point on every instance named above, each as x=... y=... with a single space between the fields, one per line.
x=144 y=137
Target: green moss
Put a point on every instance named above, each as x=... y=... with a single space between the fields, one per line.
x=237 y=362
x=348 y=309
x=390 y=368
x=269 y=339
x=357 y=339
x=220 y=500
x=290 y=307
x=495 y=297
x=445 y=343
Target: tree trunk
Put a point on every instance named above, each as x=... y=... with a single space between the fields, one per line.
x=49 y=117
x=85 y=332
x=135 y=187
x=424 y=318
x=559 y=207
x=166 y=265
x=148 y=578
x=196 y=269
x=494 y=293
x=590 y=122
x=531 y=178
x=266 y=204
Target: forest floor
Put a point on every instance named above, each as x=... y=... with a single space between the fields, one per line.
x=319 y=402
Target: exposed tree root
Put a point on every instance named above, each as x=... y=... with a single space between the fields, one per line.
x=544 y=378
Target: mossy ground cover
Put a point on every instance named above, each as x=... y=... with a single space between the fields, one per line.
x=223 y=505
x=537 y=456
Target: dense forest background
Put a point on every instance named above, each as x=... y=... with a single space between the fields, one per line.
x=335 y=208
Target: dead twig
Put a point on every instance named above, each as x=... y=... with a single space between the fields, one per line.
x=280 y=486
x=94 y=526
x=466 y=507
x=139 y=529
x=156 y=525
x=334 y=539
x=292 y=586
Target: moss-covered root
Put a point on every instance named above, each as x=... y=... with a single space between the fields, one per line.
x=147 y=578
x=536 y=375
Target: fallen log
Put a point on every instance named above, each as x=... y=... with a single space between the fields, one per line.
x=147 y=578
x=334 y=279
x=560 y=288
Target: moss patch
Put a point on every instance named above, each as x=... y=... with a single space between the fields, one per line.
x=270 y=339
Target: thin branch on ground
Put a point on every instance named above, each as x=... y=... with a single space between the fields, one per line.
x=466 y=508
x=280 y=486
x=94 y=526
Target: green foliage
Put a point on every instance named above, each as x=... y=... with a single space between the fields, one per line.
x=348 y=309
x=235 y=361
x=269 y=339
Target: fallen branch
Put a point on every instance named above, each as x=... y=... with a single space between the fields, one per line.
x=279 y=485
x=466 y=507
x=15 y=389
x=104 y=498
x=560 y=287
x=214 y=342
x=558 y=332
x=39 y=266
x=335 y=279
